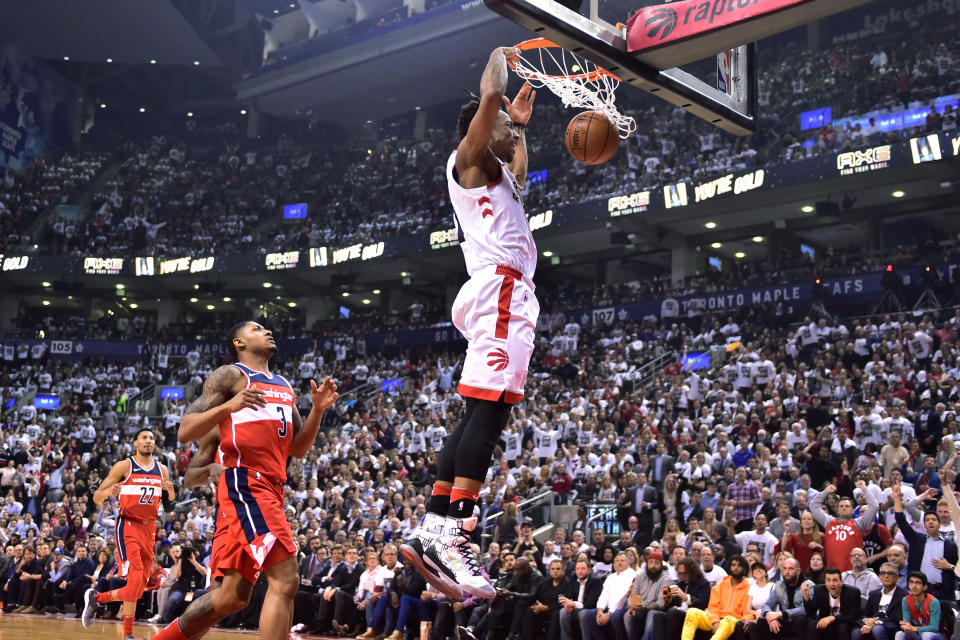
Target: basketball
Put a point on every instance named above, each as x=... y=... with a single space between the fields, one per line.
x=592 y=137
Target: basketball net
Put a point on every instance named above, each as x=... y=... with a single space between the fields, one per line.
x=574 y=79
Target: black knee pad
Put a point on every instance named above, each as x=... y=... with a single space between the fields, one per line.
x=480 y=435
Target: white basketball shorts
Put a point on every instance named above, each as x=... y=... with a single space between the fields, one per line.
x=496 y=311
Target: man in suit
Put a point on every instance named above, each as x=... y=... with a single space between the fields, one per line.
x=881 y=617
x=929 y=552
x=644 y=502
x=581 y=593
x=833 y=607
x=661 y=466
x=311 y=565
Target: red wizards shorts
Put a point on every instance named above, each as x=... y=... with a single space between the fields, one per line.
x=135 y=539
x=252 y=532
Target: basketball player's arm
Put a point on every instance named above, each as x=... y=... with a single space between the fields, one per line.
x=476 y=164
x=305 y=431
x=224 y=393
x=168 y=492
x=520 y=111
x=110 y=487
x=202 y=468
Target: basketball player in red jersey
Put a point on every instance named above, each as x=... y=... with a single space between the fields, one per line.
x=251 y=412
x=843 y=534
x=140 y=482
x=496 y=310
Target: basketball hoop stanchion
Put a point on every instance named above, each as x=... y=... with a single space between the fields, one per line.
x=577 y=81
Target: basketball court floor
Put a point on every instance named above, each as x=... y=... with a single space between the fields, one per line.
x=26 y=627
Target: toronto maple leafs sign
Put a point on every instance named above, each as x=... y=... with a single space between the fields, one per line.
x=706 y=27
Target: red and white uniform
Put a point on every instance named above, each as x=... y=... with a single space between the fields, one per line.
x=496 y=309
x=254 y=446
x=139 y=502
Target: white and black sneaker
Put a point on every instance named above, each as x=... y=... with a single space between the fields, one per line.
x=453 y=558
x=433 y=527
x=90 y=607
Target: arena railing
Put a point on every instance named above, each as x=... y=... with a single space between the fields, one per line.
x=538 y=508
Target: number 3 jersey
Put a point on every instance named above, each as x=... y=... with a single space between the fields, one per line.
x=260 y=438
x=141 y=492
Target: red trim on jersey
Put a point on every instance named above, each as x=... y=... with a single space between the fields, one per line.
x=503 y=317
x=486 y=212
x=493 y=395
x=484 y=200
x=497 y=181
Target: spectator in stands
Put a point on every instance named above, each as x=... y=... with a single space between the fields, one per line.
x=582 y=594
x=596 y=623
x=928 y=551
x=882 y=612
x=729 y=603
x=920 y=611
x=833 y=608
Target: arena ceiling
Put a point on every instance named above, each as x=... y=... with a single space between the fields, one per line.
x=95 y=30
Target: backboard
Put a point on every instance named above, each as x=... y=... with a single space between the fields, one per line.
x=649 y=51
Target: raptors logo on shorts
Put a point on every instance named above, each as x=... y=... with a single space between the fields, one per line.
x=498 y=359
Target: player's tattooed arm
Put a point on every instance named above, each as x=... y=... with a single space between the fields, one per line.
x=224 y=392
x=110 y=487
x=305 y=432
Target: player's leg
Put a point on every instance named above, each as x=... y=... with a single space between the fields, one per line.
x=502 y=328
x=454 y=558
x=433 y=523
x=139 y=551
x=283 y=580
x=232 y=595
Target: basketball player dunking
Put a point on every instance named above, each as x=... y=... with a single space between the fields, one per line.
x=496 y=310
x=250 y=416
x=140 y=482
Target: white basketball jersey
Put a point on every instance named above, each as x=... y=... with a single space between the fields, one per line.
x=491 y=224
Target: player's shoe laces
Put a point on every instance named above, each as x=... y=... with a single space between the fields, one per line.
x=90 y=607
x=433 y=527
x=453 y=557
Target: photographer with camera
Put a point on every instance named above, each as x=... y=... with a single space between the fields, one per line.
x=189 y=577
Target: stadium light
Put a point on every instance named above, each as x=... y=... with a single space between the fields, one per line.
x=210 y=307
x=345 y=294
x=66 y=58
x=758 y=239
x=133 y=305
x=45 y=283
x=196 y=286
x=710 y=225
x=404 y=274
x=120 y=285
x=716 y=245
x=366 y=301
x=143 y=110
x=103 y=106
x=46 y=303
x=189 y=114
x=376 y=292
x=267 y=285
x=109 y=59
x=152 y=61
x=276 y=11
x=807 y=208
x=243 y=112
x=227 y=298
x=739 y=254
x=548 y=254
x=898 y=194
x=193 y=299
x=291 y=304
x=196 y=63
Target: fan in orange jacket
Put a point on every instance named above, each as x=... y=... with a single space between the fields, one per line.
x=729 y=602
